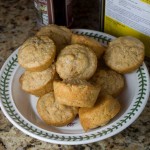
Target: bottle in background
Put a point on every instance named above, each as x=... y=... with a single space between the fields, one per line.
x=101 y=14
x=54 y=12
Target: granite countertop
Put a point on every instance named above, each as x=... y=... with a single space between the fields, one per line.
x=17 y=23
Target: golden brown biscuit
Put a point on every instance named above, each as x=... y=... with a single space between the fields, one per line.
x=59 y=34
x=53 y=113
x=87 y=41
x=111 y=82
x=37 y=53
x=75 y=92
x=124 y=54
x=38 y=83
x=76 y=61
x=104 y=110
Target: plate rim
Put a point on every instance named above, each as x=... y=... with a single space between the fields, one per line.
x=75 y=142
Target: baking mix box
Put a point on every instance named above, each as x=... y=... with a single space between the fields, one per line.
x=127 y=17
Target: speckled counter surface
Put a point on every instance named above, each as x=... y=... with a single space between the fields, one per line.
x=17 y=23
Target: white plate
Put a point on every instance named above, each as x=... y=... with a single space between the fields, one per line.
x=20 y=107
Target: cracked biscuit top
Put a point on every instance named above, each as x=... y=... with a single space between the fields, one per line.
x=53 y=113
x=76 y=61
x=59 y=34
x=38 y=83
x=37 y=53
x=87 y=41
x=111 y=82
x=124 y=54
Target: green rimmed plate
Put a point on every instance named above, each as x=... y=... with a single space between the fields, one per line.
x=20 y=107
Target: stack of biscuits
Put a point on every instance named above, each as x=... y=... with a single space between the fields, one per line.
x=75 y=75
